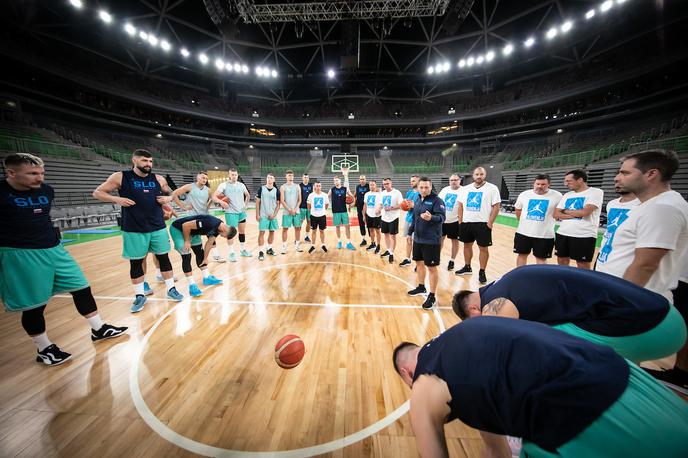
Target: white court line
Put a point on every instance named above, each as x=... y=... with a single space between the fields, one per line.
x=207 y=450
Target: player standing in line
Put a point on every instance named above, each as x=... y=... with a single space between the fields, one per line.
x=340 y=212
x=412 y=195
x=450 y=228
x=318 y=203
x=235 y=211
x=361 y=189
x=198 y=199
x=290 y=199
x=617 y=213
x=373 y=219
x=306 y=190
x=267 y=206
x=390 y=201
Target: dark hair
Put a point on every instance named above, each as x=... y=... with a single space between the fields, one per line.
x=543 y=176
x=231 y=233
x=305 y=175
x=414 y=176
x=578 y=174
x=425 y=179
x=142 y=153
x=386 y=179
x=666 y=161
x=316 y=181
x=22 y=159
x=372 y=181
x=202 y=172
x=289 y=172
x=459 y=303
x=270 y=175
x=233 y=170
x=398 y=350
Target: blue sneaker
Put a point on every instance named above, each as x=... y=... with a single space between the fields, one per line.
x=138 y=304
x=232 y=257
x=175 y=295
x=194 y=291
x=245 y=253
x=211 y=280
x=349 y=246
x=339 y=245
x=147 y=291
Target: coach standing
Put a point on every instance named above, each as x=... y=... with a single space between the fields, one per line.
x=361 y=189
x=426 y=230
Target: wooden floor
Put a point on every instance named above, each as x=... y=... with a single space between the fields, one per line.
x=199 y=376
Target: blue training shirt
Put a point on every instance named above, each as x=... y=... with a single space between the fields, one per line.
x=25 y=217
x=207 y=225
x=413 y=195
x=306 y=190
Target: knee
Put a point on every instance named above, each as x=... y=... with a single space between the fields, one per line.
x=136 y=268
x=164 y=260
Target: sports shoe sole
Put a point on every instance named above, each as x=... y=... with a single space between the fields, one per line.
x=108 y=337
x=54 y=364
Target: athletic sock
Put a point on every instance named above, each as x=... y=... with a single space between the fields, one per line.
x=284 y=245
x=231 y=248
x=42 y=342
x=261 y=248
x=138 y=289
x=169 y=283
x=157 y=273
x=242 y=245
x=191 y=280
x=205 y=273
x=95 y=322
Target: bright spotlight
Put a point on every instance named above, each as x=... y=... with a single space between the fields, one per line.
x=76 y=3
x=330 y=73
x=220 y=64
x=462 y=63
x=203 y=58
x=185 y=52
x=273 y=73
x=438 y=68
x=604 y=7
x=479 y=60
x=237 y=67
x=259 y=71
x=143 y=35
x=431 y=70
x=244 y=68
x=153 y=40
x=130 y=29
x=105 y=16
x=165 y=45
x=229 y=67
x=470 y=61
x=551 y=33
x=566 y=26
x=529 y=42
x=590 y=14
x=508 y=49
x=619 y=2
x=490 y=56
x=445 y=66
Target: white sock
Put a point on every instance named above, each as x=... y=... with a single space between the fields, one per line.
x=269 y=247
x=205 y=273
x=231 y=249
x=138 y=289
x=190 y=280
x=95 y=322
x=339 y=239
x=157 y=273
x=169 y=283
x=243 y=245
x=284 y=245
x=348 y=240
x=261 y=248
x=42 y=342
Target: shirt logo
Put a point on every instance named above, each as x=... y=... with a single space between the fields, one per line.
x=575 y=203
x=318 y=203
x=386 y=201
x=450 y=201
x=537 y=209
x=339 y=192
x=31 y=201
x=474 y=201
x=371 y=201
x=144 y=184
x=615 y=218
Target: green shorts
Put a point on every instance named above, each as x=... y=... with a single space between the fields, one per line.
x=663 y=340
x=136 y=245
x=178 y=239
x=340 y=218
x=305 y=214
x=30 y=277
x=233 y=219
x=291 y=220
x=268 y=225
x=648 y=420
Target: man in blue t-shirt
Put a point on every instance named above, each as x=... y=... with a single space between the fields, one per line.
x=637 y=323
x=413 y=195
x=361 y=189
x=563 y=395
x=306 y=189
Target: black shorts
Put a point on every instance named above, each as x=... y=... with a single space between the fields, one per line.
x=451 y=230
x=542 y=248
x=475 y=232
x=318 y=222
x=429 y=254
x=577 y=248
x=373 y=222
x=681 y=299
x=391 y=227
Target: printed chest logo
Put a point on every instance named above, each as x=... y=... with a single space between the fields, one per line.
x=339 y=192
x=575 y=203
x=371 y=201
x=537 y=209
x=31 y=202
x=386 y=201
x=615 y=218
x=144 y=186
x=450 y=201
x=474 y=201
x=318 y=203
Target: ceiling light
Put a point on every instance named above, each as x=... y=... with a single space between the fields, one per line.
x=551 y=33
x=203 y=58
x=130 y=29
x=462 y=63
x=529 y=42
x=431 y=70
x=508 y=49
x=330 y=73
x=479 y=60
x=105 y=16
x=165 y=45
x=153 y=40
x=438 y=68
x=229 y=67
x=560 y=130
x=590 y=14
x=244 y=68
x=219 y=63
x=158 y=135
x=143 y=35
x=470 y=61
x=250 y=146
x=445 y=66
x=76 y=3
x=619 y=2
x=273 y=73
x=237 y=67
x=489 y=56
x=604 y=7
x=566 y=26
x=185 y=52
x=259 y=71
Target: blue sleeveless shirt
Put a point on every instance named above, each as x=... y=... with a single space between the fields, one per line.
x=147 y=214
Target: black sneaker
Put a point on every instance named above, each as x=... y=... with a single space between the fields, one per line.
x=371 y=247
x=271 y=252
x=417 y=291
x=107 y=331
x=482 y=278
x=377 y=249
x=465 y=270
x=52 y=356
x=429 y=302
x=405 y=262
x=261 y=256
x=307 y=239
x=324 y=248
x=675 y=379
x=391 y=259
x=386 y=253
x=450 y=266
x=311 y=249
x=363 y=243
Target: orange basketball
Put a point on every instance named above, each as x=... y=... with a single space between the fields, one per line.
x=406 y=205
x=224 y=199
x=349 y=200
x=166 y=208
x=289 y=351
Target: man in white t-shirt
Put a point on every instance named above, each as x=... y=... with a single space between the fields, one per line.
x=390 y=201
x=617 y=213
x=479 y=204
x=373 y=208
x=318 y=203
x=535 y=230
x=650 y=246
x=579 y=215
x=450 y=228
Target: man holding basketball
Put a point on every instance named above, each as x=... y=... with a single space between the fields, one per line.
x=235 y=211
x=143 y=226
x=340 y=212
x=412 y=195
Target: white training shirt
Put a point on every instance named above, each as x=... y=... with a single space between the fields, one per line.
x=617 y=213
x=581 y=227
x=451 y=203
x=477 y=202
x=319 y=203
x=537 y=213
x=236 y=194
x=371 y=201
x=390 y=199
x=661 y=222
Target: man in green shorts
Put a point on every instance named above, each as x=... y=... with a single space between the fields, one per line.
x=233 y=197
x=306 y=189
x=290 y=199
x=637 y=323
x=267 y=206
x=34 y=265
x=141 y=196
x=340 y=211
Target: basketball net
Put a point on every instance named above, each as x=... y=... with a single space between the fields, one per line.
x=345 y=175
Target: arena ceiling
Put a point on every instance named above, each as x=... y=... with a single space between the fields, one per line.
x=302 y=41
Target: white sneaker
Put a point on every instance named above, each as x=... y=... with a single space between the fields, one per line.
x=218 y=258
x=284 y=250
x=298 y=248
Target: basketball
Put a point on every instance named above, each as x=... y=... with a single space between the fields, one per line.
x=289 y=351
x=349 y=200
x=166 y=208
x=406 y=205
x=225 y=199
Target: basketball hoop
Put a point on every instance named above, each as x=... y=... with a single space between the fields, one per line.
x=345 y=171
